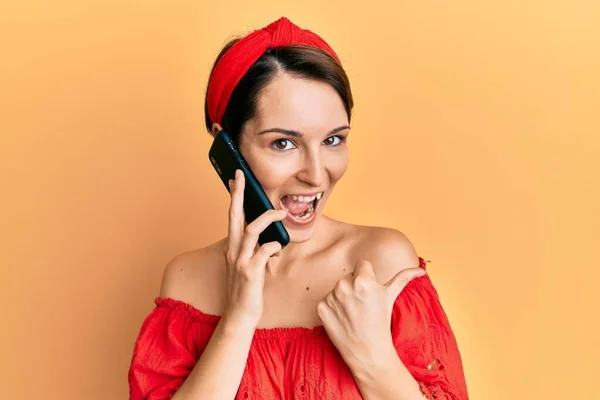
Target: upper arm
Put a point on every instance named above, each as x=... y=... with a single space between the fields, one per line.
x=389 y=251
x=194 y=277
x=420 y=328
x=173 y=280
x=425 y=342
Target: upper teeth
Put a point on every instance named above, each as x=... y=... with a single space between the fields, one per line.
x=307 y=199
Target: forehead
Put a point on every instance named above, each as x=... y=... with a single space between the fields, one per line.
x=301 y=104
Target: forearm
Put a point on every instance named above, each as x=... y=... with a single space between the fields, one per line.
x=386 y=378
x=218 y=372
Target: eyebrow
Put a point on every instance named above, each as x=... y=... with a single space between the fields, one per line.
x=289 y=132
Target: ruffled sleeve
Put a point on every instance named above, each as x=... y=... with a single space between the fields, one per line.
x=166 y=350
x=425 y=342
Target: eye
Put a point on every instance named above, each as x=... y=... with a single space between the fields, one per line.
x=282 y=144
x=334 y=140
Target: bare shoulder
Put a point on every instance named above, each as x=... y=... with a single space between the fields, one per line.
x=387 y=249
x=196 y=277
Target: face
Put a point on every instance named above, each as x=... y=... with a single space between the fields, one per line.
x=296 y=146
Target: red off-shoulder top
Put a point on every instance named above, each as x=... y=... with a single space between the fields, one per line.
x=298 y=362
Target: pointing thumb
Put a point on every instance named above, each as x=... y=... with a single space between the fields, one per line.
x=401 y=279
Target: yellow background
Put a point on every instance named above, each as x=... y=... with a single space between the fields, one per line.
x=475 y=132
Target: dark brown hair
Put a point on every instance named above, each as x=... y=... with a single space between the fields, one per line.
x=302 y=61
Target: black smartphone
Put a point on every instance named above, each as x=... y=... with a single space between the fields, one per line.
x=226 y=158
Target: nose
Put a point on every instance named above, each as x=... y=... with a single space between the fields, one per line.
x=313 y=171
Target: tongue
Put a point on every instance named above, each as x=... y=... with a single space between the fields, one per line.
x=294 y=207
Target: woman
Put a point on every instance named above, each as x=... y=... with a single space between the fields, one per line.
x=343 y=311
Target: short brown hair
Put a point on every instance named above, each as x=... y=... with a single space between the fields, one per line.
x=302 y=61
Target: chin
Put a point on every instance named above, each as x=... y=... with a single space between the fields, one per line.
x=300 y=235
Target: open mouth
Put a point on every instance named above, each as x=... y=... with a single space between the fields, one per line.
x=301 y=208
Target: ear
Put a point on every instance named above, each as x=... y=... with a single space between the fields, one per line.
x=216 y=128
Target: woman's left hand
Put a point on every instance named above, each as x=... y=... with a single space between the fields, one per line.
x=357 y=313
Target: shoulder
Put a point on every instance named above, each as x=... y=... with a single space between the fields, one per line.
x=196 y=277
x=388 y=250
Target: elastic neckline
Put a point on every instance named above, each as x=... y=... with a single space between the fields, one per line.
x=259 y=333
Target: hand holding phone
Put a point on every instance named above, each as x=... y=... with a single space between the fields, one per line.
x=246 y=265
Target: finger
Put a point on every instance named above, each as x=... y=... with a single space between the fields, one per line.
x=236 y=215
x=342 y=290
x=401 y=279
x=324 y=312
x=265 y=252
x=255 y=228
x=363 y=267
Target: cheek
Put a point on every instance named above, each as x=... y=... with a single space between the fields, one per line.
x=336 y=167
x=271 y=173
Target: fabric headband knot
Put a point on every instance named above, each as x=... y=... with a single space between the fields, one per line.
x=234 y=64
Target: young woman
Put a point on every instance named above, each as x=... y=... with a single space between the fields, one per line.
x=342 y=312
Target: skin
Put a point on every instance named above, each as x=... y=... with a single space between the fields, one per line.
x=342 y=276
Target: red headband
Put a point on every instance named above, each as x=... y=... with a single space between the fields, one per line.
x=241 y=56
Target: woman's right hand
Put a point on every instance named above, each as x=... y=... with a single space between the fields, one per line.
x=246 y=265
